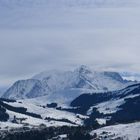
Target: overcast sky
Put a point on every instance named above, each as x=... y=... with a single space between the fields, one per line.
x=37 y=38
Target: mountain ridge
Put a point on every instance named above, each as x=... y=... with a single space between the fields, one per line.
x=58 y=82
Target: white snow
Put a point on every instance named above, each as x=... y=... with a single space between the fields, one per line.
x=111 y=106
x=34 y=122
x=126 y=131
x=101 y=121
x=25 y=89
x=9 y=125
x=107 y=107
x=48 y=112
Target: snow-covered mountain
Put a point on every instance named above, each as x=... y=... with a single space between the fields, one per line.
x=80 y=97
x=96 y=110
x=82 y=77
x=65 y=84
x=25 y=89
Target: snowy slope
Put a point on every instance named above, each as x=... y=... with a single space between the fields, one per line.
x=125 y=131
x=112 y=105
x=47 y=112
x=49 y=116
x=25 y=89
x=120 y=106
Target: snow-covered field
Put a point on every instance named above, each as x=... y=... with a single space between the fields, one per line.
x=49 y=116
x=125 y=131
x=47 y=112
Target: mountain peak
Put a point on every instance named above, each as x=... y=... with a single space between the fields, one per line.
x=83 y=69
